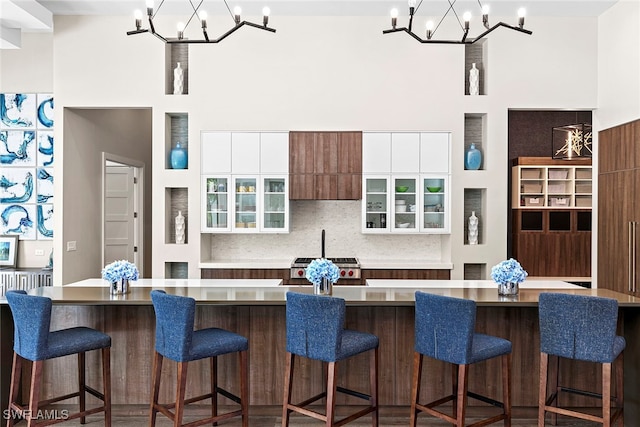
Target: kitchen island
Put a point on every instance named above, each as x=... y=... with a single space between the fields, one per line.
x=258 y=312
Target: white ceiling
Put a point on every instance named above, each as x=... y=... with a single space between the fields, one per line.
x=37 y=15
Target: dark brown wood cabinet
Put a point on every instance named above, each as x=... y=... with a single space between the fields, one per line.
x=619 y=208
x=325 y=165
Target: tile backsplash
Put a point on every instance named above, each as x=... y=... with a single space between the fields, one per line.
x=341 y=221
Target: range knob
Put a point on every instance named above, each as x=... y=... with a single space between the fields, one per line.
x=342 y=273
x=350 y=272
x=300 y=273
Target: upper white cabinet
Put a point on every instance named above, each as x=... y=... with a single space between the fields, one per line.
x=245 y=152
x=215 y=153
x=274 y=153
x=406 y=182
x=434 y=152
x=245 y=182
x=376 y=152
x=405 y=150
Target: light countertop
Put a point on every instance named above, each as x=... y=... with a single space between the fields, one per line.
x=391 y=264
x=467 y=284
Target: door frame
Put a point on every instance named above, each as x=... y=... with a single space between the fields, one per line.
x=138 y=197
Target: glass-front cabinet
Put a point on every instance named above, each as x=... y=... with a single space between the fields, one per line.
x=376 y=204
x=435 y=196
x=275 y=207
x=406 y=204
x=216 y=198
x=245 y=204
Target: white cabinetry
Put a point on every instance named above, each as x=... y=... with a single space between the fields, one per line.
x=406 y=182
x=555 y=186
x=248 y=192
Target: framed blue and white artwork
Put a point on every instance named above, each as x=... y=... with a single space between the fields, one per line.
x=26 y=165
x=17 y=148
x=45 y=185
x=17 y=110
x=17 y=185
x=45 y=111
x=18 y=220
x=45 y=221
x=45 y=148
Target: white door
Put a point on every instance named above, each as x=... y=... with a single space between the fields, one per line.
x=119 y=213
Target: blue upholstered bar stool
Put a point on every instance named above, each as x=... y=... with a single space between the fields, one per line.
x=315 y=330
x=176 y=340
x=33 y=341
x=580 y=327
x=445 y=330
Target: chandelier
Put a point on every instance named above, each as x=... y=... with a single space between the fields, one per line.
x=572 y=141
x=464 y=24
x=201 y=17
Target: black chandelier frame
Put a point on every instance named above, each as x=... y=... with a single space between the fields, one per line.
x=180 y=40
x=465 y=27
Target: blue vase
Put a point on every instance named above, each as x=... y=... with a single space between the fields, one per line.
x=472 y=158
x=178 y=157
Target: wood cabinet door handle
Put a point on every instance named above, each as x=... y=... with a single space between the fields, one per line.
x=630 y=256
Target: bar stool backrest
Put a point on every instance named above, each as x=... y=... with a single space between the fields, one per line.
x=314 y=325
x=578 y=326
x=32 y=320
x=175 y=319
x=444 y=327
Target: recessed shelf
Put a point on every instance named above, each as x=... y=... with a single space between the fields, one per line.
x=176 y=200
x=176 y=270
x=474 y=201
x=176 y=130
x=476 y=53
x=176 y=52
x=475 y=133
x=475 y=271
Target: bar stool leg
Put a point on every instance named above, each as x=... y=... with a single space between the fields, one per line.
x=288 y=378
x=463 y=383
x=15 y=386
x=506 y=388
x=244 y=387
x=155 y=388
x=180 y=393
x=214 y=386
x=619 y=368
x=373 y=380
x=34 y=392
x=415 y=387
x=82 y=386
x=454 y=389
x=606 y=395
x=106 y=380
x=542 y=390
x=332 y=374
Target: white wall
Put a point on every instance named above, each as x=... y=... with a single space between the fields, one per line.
x=30 y=70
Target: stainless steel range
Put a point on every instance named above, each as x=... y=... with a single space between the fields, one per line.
x=349 y=267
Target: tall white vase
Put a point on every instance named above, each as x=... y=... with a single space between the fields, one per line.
x=474 y=80
x=473 y=229
x=180 y=228
x=178 y=80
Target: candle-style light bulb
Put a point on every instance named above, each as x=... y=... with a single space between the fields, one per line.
x=521 y=14
x=237 y=11
x=412 y=7
x=265 y=15
x=180 y=28
x=429 y=29
x=485 y=15
x=137 y=14
x=467 y=18
x=203 y=18
x=394 y=17
x=149 y=7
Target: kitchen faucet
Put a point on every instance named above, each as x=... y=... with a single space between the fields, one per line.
x=322 y=240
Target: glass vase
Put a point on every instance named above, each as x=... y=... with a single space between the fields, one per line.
x=508 y=289
x=120 y=287
x=323 y=288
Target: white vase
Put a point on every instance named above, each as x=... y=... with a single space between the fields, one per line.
x=180 y=228
x=178 y=80
x=473 y=229
x=474 y=80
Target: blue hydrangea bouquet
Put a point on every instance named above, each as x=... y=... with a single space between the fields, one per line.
x=323 y=274
x=508 y=275
x=118 y=270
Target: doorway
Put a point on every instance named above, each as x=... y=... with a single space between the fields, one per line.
x=122 y=213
